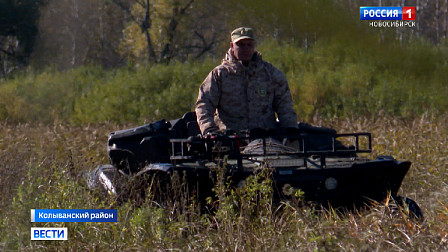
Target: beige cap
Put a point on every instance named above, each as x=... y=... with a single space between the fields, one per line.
x=242 y=33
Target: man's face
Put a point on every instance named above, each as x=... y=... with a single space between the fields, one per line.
x=243 y=50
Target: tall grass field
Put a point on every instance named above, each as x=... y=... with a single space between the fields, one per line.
x=41 y=167
x=54 y=126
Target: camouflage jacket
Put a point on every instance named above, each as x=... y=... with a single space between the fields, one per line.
x=237 y=97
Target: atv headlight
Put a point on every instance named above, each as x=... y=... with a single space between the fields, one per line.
x=331 y=183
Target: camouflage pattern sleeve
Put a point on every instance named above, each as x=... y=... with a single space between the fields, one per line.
x=208 y=100
x=283 y=104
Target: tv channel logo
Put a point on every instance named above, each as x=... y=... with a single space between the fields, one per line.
x=48 y=234
x=387 y=13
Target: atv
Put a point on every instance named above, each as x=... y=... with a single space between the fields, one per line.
x=324 y=165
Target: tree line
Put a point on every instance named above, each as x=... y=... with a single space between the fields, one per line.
x=70 y=33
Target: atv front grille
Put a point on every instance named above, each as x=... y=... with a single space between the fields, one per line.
x=285 y=162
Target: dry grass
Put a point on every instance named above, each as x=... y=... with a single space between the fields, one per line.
x=41 y=165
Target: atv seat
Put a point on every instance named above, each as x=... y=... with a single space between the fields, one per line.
x=186 y=126
x=193 y=128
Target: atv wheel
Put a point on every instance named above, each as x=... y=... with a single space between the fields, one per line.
x=108 y=180
x=409 y=206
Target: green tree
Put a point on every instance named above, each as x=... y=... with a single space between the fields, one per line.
x=79 y=32
x=18 y=32
x=160 y=30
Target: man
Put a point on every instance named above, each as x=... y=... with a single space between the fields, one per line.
x=244 y=92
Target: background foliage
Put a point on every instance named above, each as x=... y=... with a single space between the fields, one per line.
x=74 y=70
x=70 y=33
x=137 y=61
x=330 y=79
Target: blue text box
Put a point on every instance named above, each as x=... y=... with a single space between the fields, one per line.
x=73 y=215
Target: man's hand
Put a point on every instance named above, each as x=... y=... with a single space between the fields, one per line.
x=221 y=140
x=211 y=130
